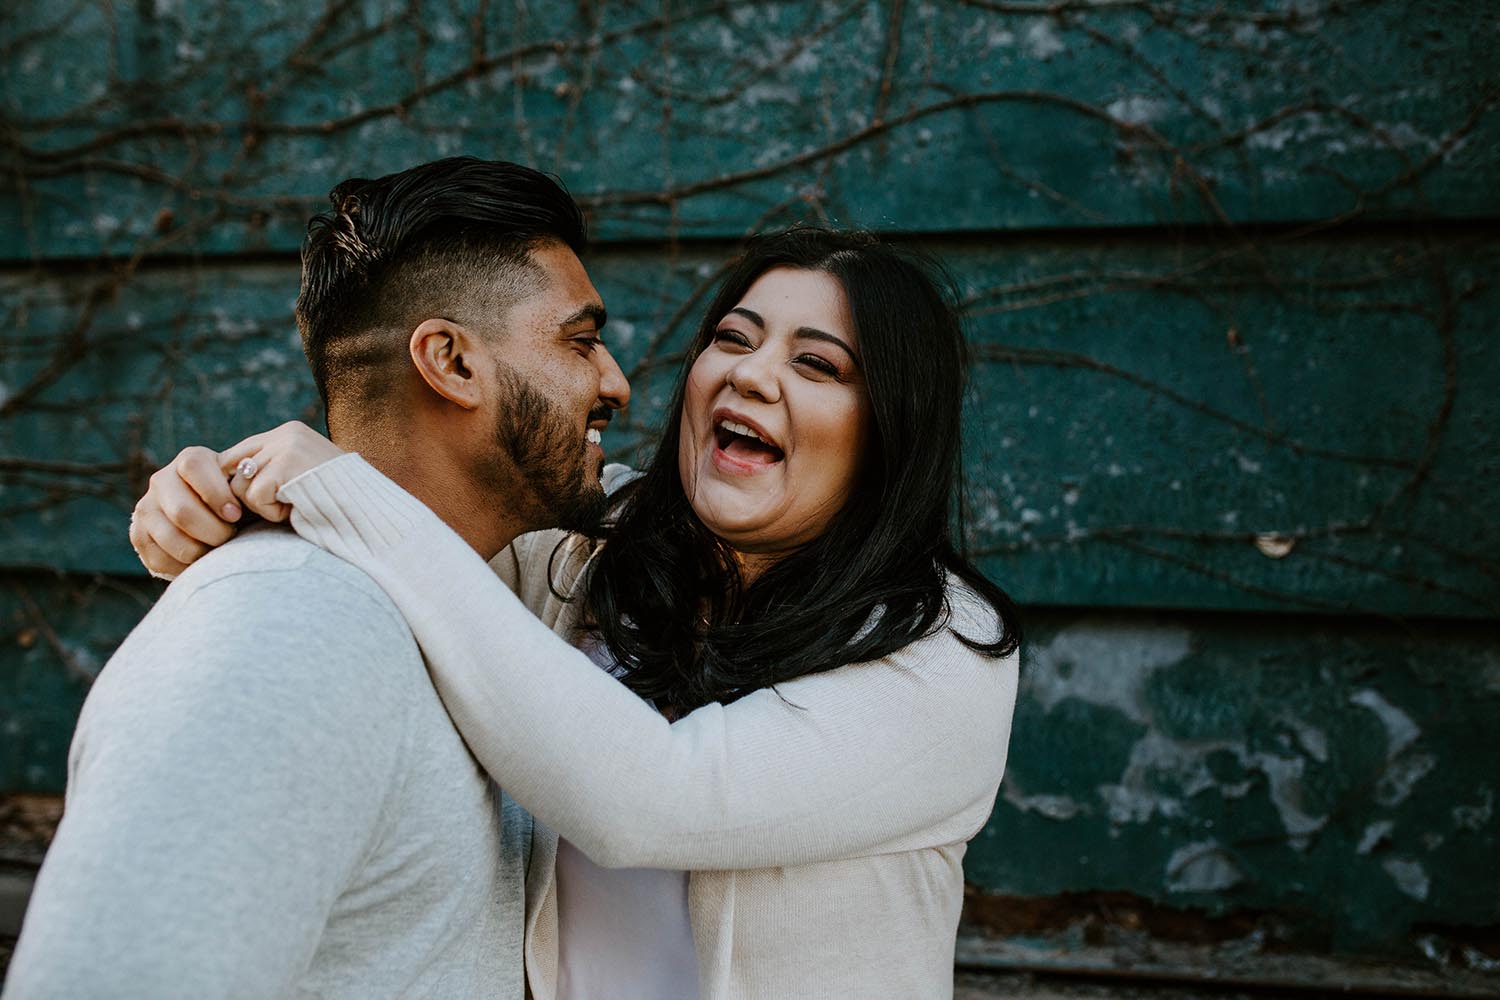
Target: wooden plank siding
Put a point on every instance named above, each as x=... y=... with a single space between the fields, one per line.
x=1142 y=413
x=216 y=126
x=1231 y=437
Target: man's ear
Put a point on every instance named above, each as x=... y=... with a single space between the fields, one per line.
x=444 y=354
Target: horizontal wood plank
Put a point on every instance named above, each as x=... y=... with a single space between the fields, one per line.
x=1293 y=426
x=218 y=127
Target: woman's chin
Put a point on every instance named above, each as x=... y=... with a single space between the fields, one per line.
x=738 y=529
x=743 y=525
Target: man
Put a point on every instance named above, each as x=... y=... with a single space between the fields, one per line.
x=313 y=825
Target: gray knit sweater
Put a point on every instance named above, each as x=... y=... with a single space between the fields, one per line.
x=267 y=799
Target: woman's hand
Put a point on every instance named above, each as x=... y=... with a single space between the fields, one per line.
x=195 y=503
x=262 y=464
x=187 y=510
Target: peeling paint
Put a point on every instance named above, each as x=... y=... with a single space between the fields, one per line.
x=1475 y=817
x=1119 y=656
x=1202 y=867
x=1313 y=739
x=1137 y=109
x=1042 y=41
x=1375 y=834
x=1401 y=776
x=999 y=38
x=1059 y=807
x=1401 y=731
x=1410 y=877
x=1285 y=777
x=1405 y=767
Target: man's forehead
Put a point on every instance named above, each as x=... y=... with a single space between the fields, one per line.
x=567 y=294
x=559 y=264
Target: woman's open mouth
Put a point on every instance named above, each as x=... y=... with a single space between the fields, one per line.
x=743 y=447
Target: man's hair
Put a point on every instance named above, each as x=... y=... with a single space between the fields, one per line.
x=451 y=239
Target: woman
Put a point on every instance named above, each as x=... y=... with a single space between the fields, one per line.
x=782 y=581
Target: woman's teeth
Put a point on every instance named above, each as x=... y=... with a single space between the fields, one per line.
x=738 y=440
x=740 y=429
x=593 y=436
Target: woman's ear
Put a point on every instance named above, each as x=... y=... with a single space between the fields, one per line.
x=444 y=354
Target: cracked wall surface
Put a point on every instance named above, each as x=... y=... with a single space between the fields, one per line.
x=1229 y=271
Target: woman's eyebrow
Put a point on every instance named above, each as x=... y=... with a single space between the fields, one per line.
x=813 y=333
x=805 y=332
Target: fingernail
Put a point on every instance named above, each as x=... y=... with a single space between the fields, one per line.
x=230 y=511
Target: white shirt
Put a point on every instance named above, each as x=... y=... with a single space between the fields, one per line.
x=623 y=933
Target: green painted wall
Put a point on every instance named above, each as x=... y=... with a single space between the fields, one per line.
x=1229 y=270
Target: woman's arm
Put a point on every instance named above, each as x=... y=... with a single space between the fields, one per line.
x=527 y=565
x=904 y=752
x=190 y=509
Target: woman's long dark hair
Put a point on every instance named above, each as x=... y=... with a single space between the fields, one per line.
x=665 y=593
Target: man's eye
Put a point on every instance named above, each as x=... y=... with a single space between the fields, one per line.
x=588 y=342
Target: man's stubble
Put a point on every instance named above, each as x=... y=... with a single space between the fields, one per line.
x=547 y=455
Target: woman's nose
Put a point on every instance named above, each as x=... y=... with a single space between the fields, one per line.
x=755 y=375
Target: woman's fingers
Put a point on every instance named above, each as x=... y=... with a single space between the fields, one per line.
x=192 y=504
x=156 y=561
x=231 y=457
x=195 y=497
x=260 y=465
x=183 y=513
x=256 y=480
x=199 y=468
x=164 y=550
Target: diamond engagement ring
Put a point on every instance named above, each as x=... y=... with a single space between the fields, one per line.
x=247 y=468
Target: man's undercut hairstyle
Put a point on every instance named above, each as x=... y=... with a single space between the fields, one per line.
x=450 y=239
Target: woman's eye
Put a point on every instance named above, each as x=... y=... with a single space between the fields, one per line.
x=730 y=337
x=819 y=364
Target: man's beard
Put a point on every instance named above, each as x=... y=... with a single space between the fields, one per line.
x=548 y=456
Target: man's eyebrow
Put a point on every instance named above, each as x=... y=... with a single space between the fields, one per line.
x=594 y=311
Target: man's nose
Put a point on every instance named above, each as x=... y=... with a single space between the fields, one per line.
x=614 y=387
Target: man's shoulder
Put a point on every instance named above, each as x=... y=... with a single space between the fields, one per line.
x=265 y=639
x=272 y=599
x=272 y=550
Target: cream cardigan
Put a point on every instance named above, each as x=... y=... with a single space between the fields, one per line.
x=824 y=823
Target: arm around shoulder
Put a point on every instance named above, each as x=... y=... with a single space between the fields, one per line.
x=900 y=753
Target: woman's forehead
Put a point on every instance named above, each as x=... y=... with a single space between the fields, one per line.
x=793 y=297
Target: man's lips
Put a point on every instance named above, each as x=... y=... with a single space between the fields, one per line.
x=594 y=429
